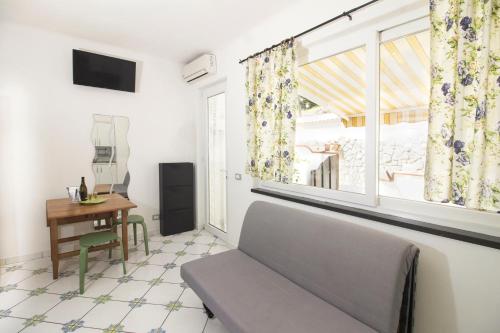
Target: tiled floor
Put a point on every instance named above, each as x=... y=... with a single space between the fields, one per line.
x=151 y=298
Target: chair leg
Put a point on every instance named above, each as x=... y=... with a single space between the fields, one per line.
x=123 y=260
x=110 y=251
x=86 y=261
x=83 y=265
x=145 y=233
x=135 y=234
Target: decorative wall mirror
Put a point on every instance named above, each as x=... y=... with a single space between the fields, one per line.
x=109 y=137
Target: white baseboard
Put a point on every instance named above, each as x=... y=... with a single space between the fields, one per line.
x=15 y=260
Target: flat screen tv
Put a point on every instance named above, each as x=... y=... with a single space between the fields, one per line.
x=95 y=70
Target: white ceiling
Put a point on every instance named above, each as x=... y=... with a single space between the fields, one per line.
x=177 y=29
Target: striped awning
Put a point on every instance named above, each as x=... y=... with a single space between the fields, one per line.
x=338 y=83
x=390 y=118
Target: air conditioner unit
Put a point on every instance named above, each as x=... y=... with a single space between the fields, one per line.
x=199 y=67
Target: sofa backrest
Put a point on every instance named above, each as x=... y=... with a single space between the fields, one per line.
x=357 y=269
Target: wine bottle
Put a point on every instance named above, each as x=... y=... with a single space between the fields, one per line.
x=83 y=190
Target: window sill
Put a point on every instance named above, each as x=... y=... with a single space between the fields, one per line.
x=429 y=228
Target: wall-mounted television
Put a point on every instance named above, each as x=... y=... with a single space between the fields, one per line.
x=95 y=70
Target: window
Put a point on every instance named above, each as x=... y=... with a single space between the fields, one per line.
x=404 y=97
x=330 y=135
x=361 y=132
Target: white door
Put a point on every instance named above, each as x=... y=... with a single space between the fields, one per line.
x=215 y=106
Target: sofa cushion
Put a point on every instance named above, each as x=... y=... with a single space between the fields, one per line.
x=359 y=270
x=249 y=297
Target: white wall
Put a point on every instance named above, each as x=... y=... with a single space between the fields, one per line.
x=46 y=121
x=458 y=287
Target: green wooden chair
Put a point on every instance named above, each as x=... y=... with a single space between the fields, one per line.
x=94 y=239
x=135 y=220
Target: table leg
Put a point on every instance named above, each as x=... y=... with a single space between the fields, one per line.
x=114 y=217
x=125 y=233
x=54 y=251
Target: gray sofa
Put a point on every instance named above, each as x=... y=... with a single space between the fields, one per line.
x=296 y=271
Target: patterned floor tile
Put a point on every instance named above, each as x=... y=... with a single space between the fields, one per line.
x=116 y=270
x=220 y=242
x=64 y=284
x=173 y=275
x=68 y=265
x=174 y=247
x=11 y=267
x=37 y=263
x=164 y=293
x=197 y=248
x=130 y=290
x=138 y=256
x=218 y=248
x=103 y=255
x=3 y=269
x=87 y=330
x=184 y=237
x=71 y=309
x=205 y=239
x=185 y=320
x=145 y=318
x=154 y=246
x=12 y=277
x=36 y=281
x=186 y=258
x=148 y=272
x=102 y=286
x=203 y=232
x=8 y=324
x=159 y=238
x=215 y=326
x=35 y=305
x=139 y=246
x=10 y=298
x=151 y=293
x=97 y=266
x=162 y=258
x=106 y=314
x=190 y=299
x=43 y=327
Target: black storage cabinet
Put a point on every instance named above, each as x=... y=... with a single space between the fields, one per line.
x=176 y=198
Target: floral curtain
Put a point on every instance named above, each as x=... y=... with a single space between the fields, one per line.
x=271 y=113
x=463 y=150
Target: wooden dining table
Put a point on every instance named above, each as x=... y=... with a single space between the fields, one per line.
x=64 y=211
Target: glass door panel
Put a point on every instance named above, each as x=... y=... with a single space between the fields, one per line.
x=217 y=161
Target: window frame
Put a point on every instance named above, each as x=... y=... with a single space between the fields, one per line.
x=380 y=28
x=328 y=49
